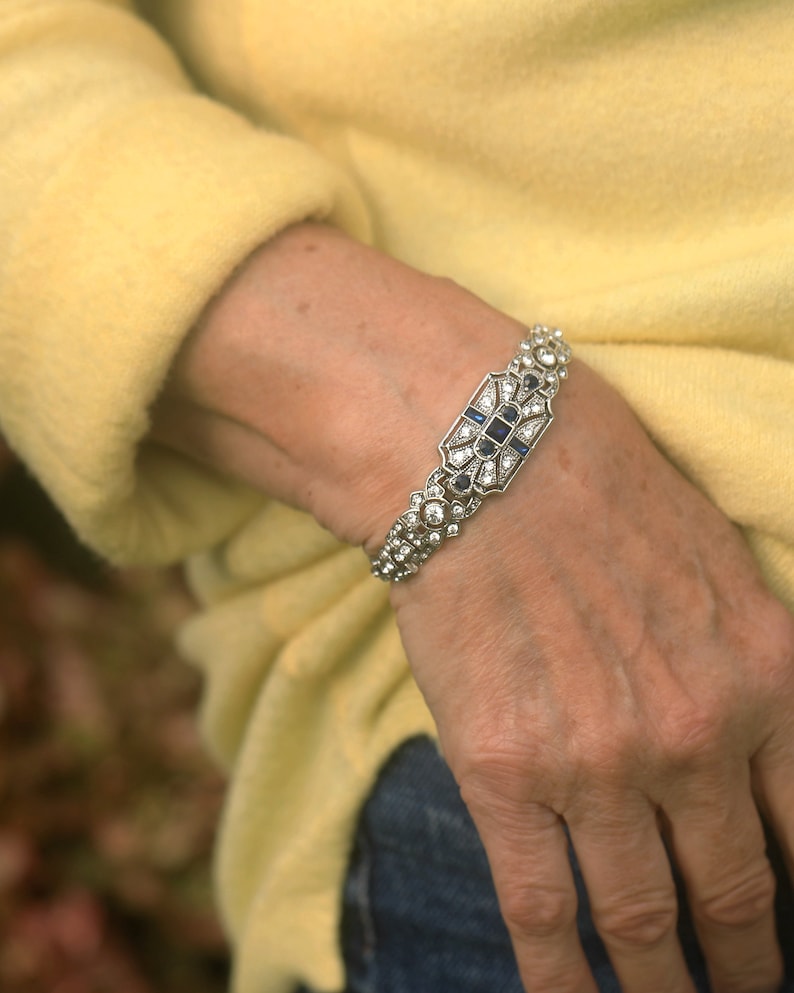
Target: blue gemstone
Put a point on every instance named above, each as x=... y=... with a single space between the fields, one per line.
x=531 y=381
x=486 y=448
x=498 y=430
x=474 y=415
x=509 y=414
x=461 y=483
x=520 y=447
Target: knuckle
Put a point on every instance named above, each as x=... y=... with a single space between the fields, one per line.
x=489 y=788
x=602 y=758
x=498 y=769
x=691 y=736
x=741 y=903
x=774 y=656
x=643 y=923
x=537 y=911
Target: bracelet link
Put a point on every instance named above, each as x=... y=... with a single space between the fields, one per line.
x=481 y=453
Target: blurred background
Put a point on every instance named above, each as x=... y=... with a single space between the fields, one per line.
x=108 y=805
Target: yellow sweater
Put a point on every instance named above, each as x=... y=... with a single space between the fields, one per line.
x=622 y=168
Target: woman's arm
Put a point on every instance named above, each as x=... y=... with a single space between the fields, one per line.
x=126 y=199
x=598 y=650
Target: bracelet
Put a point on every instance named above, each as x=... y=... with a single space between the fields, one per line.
x=480 y=454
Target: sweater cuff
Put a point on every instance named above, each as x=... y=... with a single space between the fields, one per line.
x=135 y=233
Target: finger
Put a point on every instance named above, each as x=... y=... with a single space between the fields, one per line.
x=773 y=784
x=632 y=893
x=718 y=843
x=773 y=780
x=528 y=852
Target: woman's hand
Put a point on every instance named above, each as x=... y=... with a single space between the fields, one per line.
x=598 y=648
x=599 y=651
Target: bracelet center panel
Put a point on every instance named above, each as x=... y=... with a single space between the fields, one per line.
x=502 y=423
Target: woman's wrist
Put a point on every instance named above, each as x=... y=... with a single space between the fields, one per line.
x=325 y=373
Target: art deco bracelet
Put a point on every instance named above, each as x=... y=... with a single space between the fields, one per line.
x=480 y=454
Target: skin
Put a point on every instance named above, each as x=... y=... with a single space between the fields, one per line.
x=599 y=649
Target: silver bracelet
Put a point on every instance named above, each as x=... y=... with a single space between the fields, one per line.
x=480 y=454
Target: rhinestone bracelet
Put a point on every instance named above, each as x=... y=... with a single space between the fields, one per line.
x=480 y=454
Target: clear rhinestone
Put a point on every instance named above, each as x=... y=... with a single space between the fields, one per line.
x=487 y=399
x=412 y=517
x=434 y=514
x=434 y=538
x=435 y=491
x=416 y=499
x=452 y=529
x=528 y=431
x=458 y=511
x=461 y=456
x=488 y=473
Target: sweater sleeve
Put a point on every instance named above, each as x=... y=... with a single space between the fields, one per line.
x=126 y=199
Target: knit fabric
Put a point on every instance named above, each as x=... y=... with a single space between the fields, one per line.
x=621 y=169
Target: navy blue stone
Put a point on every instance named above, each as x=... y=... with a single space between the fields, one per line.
x=498 y=430
x=531 y=381
x=520 y=447
x=474 y=415
x=486 y=448
x=462 y=482
x=509 y=414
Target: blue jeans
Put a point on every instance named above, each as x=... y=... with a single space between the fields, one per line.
x=420 y=911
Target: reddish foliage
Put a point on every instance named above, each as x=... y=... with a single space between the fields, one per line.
x=107 y=804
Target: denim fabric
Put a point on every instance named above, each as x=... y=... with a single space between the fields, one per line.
x=420 y=911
